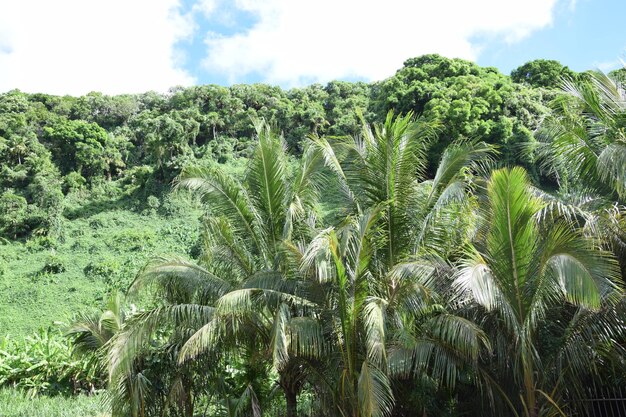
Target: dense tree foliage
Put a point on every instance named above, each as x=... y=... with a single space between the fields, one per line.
x=470 y=102
x=542 y=73
x=64 y=143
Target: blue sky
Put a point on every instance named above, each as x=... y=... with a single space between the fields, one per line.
x=592 y=35
x=124 y=46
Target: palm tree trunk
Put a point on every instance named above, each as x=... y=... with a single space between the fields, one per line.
x=292 y=403
x=529 y=387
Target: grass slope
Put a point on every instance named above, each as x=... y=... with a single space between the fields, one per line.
x=43 y=281
x=14 y=403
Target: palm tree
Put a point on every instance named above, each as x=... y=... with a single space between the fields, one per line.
x=18 y=147
x=376 y=266
x=584 y=145
x=260 y=286
x=243 y=292
x=91 y=333
x=585 y=137
x=383 y=326
x=525 y=273
x=385 y=168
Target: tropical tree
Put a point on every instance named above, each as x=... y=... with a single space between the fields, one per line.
x=383 y=326
x=586 y=135
x=470 y=102
x=584 y=147
x=526 y=275
x=238 y=298
x=546 y=73
x=91 y=332
x=381 y=265
x=385 y=168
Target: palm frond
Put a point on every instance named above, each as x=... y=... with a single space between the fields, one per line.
x=266 y=180
x=374 y=324
x=279 y=343
x=180 y=279
x=140 y=328
x=225 y=196
x=374 y=392
x=306 y=337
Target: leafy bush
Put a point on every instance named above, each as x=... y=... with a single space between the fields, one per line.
x=103 y=269
x=13 y=214
x=74 y=181
x=133 y=240
x=44 y=364
x=54 y=264
x=173 y=205
x=153 y=202
x=110 y=272
x=37 y=243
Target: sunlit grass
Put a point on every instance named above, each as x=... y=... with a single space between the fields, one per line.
x=15 y=403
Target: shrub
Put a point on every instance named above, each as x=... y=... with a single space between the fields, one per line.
x=13 y=214
x=44 y=364
x=153 y=202
x=74 y=181
x=108 y=271
x=172 y=205
x=102 y=269
x=38 y=243
x=134 y=240
x=54 y=264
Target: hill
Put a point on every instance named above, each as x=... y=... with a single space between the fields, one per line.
x=85 y=181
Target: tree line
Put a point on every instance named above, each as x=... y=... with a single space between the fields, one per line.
x=51 y=146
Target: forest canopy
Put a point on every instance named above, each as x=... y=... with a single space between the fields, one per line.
x=51 y=145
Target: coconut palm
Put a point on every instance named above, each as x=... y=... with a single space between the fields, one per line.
x=378 y=267
x=383 y=326
x=245 y=285
x=260 y=284
x=385 y=168
x=523 y=275
x=585 y=137
x=584 y=145
x=91 y=332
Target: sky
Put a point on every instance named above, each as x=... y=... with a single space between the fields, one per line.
x=132 y=46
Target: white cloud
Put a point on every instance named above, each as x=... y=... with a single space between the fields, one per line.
x=122 y=46
x=77 y=46
x=206 y=7
x=295 y=42
x=607 y=66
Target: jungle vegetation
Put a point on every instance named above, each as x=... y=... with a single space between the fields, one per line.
x=449 y=241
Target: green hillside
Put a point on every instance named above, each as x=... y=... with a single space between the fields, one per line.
x=49 y=280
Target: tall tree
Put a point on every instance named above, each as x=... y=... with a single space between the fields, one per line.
x=244 y=294
x=542 y=73
x=376 y=263
x=583 y=144
x=521 y=275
